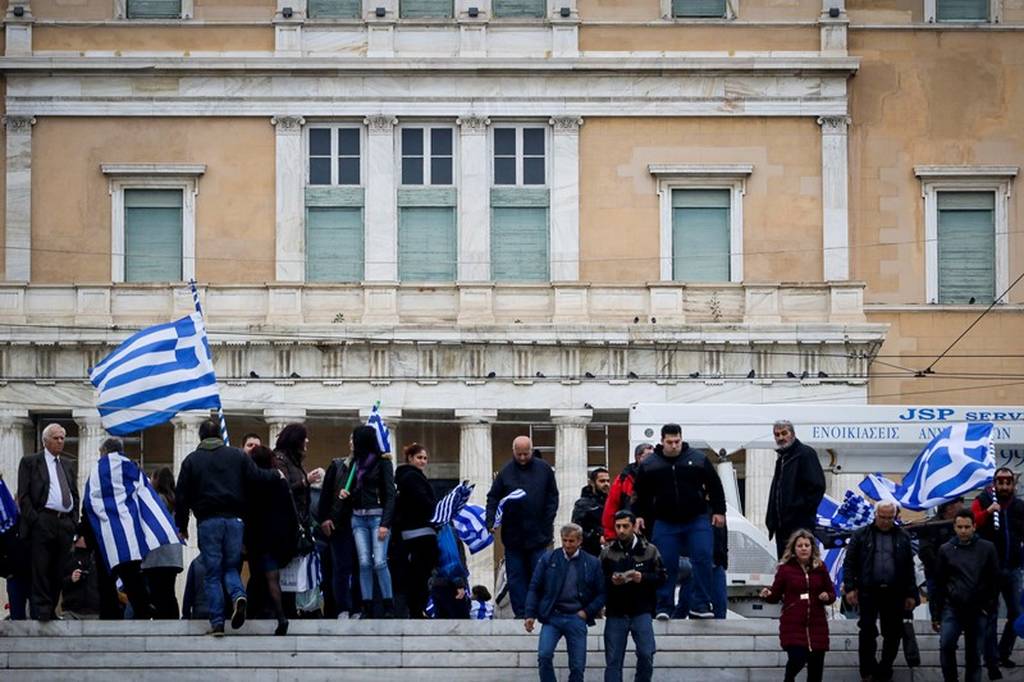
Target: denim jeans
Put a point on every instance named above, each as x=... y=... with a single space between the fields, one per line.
x=973 y=629
x=220 y=548
x=616 y=630
x=519 y=567
x=695 y=540
x=997 y=647
x=719 y=592
x=343 y=552
x=373 y=556
x=574 y=629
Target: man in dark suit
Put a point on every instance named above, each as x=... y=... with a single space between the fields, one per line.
x=48 y=499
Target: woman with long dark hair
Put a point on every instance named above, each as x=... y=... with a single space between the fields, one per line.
x=371 y=487
x=289 y=454
x=162 y=565
x=416 y=539
x=804 y=587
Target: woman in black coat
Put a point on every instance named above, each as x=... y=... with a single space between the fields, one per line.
x=416 y=539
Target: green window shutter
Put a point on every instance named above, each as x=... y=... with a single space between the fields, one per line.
x=152 y=235
x=335 y=9
x=154 y=9
x=334 y=244
x=429 y=9
x=967 y=247
x=519 y=245
x=700 y=235
x=961 y=10
x=519 y=8
x=426 y=244
x=698 y=8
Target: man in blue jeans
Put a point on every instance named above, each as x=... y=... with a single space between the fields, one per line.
x=566 y=593
x=676 y=489
x=632 y=575
x=212 y=485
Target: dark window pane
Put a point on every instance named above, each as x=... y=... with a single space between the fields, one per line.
x=348 y=171
x=533 y=141
x=505 y=141
x=320 y=171
x=533 y=171
x=319 y=142
x=441 y=142
x=412 y=170
x=348 y=142
x=441 y=171
x=412 y=141
x=505 y=171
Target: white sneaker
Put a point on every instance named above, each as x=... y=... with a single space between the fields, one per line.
x=355 y=615
x=662 y=616
x=343 y=615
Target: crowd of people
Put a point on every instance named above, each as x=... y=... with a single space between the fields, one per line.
x=649 y=544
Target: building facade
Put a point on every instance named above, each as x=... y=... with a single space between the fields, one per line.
x=511 y=216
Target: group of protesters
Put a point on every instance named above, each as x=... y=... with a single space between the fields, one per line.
x=649 y=544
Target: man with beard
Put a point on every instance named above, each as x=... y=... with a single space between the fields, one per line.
x=589 y=508
x=797 y=486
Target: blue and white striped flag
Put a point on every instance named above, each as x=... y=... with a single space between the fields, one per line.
x=516 y=494
x=154 y=374
x=127 y=515
x=958 y=460
x=8 y=509
x=854 y=512
x=469 y=526
x=481 y=610
x=451 y=504
x=377 y=422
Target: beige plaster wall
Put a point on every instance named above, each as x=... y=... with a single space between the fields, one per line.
x=650 y=10
x=698 y=38
x=93 y=10
x=619 y=205
x=926 y=97
x=71 y=205
x=132 y=38
x=885 y=11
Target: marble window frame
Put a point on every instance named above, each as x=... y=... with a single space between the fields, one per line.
x=334 y=126
x=995 y=14
x=519 y=125
x=427 y=125
x=121 y=11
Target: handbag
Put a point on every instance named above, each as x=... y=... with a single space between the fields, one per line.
x=304 y=543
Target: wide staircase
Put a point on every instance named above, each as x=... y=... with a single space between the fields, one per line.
x=404 y=650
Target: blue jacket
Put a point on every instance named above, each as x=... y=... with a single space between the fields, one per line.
x=549 y=577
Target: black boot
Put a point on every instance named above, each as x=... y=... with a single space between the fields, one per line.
x=389 y=608
x=367 y=610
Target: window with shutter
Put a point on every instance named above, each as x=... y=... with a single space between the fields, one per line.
x=519 y=244
x=154 y=9
x=961 y=10
x=520 y=155
x=426 y=244
x=519 y=8
x=334 y=155
x=152 y=235
x=700 y=235
x=425 y=9
x=334 y=244
x=428 y=156
x=966 y=247
x=698 y=9
x=334 y=9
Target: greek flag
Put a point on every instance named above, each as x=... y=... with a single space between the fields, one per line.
x=958 y=460
x=8 y=509
x=469 y=526
x=377 y=422
x=516 y=494
x=127 y=515
x=854 y=512
x=481 y=610
x=451 y=504
x=154 y=374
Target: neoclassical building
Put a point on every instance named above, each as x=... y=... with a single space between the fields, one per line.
x=511 y=216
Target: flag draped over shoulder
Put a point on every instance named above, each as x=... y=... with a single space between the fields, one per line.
x=961 y=458
x=125 y=512
x=8 y=508
x=154 y=374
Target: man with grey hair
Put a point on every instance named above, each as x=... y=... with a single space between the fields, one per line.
x=566 y=594
x=797 y=486
x=48 y=500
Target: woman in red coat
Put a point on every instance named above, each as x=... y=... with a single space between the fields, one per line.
x=803 y=585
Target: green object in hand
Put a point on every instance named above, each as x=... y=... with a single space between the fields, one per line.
x=351 y=475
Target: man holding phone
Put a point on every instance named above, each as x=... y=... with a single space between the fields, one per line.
x=633 y=572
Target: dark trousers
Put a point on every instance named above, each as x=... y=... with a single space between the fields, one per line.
x=419 y=556
x=50 y=548
x=800 y=656
x=519 y=565
x=886 y=605
x=972 y=626
x=17 y=594
x=1001 y=646
x=447 y=606
x=160 y=582
x=130 y=573
x=343 y=565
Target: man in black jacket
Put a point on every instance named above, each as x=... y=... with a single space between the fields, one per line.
x=966 y=593
x=211 y=485
x=878 y=576
x=589 y=508
x=528 y=523
x=797 y=487
x=633 y=572
x=675 y=487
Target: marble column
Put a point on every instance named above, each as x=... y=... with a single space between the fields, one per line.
x=474 y=200
x=18 y=207
x=835 y=197
x=278 y=419
x=570 y=459
x=759 y=471
x=381 y=212
x=186 y=439
x=91 y=435
x=13 y=426
x=476 y=466
x=565 y=198
x=289 y=181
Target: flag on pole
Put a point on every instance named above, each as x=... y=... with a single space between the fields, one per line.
x=452 y=503
x=961 y=458
x=516 y=494
x=8 y=508
x=125 y=512
x=377 y=422
x=469 y=526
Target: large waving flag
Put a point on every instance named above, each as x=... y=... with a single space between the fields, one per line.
x=377 y=422
x=469 y=526
x=958 y=460
x=8 y=509
x=854 y=512
x=127 y=515
x=452 y=503
x=155 y=374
